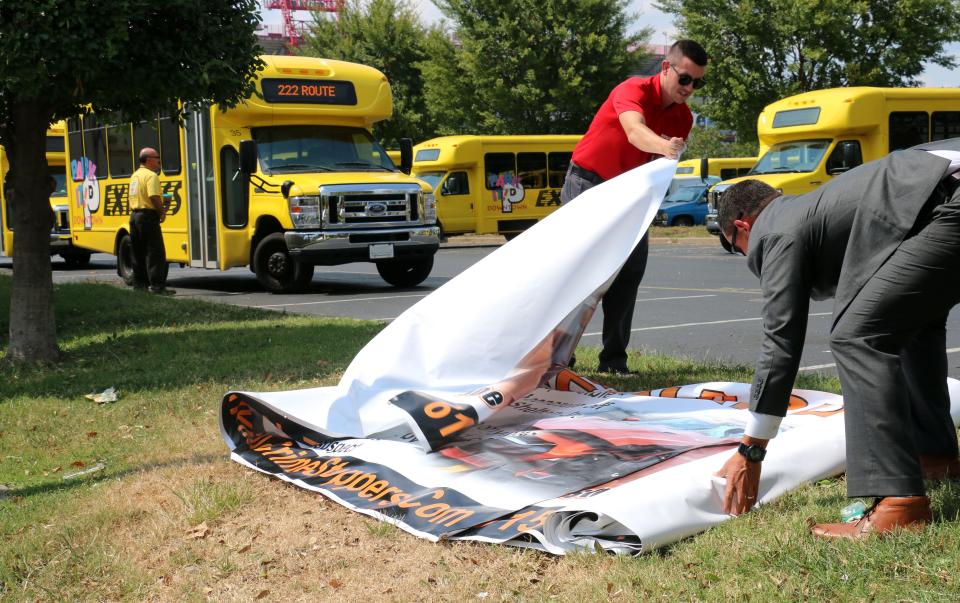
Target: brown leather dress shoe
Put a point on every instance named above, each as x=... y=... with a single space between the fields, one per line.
x=887 y=514
x=939 y=467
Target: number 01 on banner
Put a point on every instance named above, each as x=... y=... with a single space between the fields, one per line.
x=435 y=420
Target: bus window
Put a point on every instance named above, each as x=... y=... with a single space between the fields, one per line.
x=95 y=143
x=169 y=144
x=456 y=184
x=908 y=128
x=231 y=189
x=945 y=124
x=727 y=173
x=120 y=148
x=532 y=169
x=557 y=164
x=845 y=156
x=499 y=169
x=55 y=144
x=146 y=134
x=75 y=141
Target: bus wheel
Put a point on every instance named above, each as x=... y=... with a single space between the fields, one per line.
x=276 y=270
x=405 y=273
x=683 y=221
x=76 y=260
x=125 y=260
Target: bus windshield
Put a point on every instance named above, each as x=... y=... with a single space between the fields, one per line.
x=287 y=149
x=791 y=157
x=431 y=178
x=58 y=173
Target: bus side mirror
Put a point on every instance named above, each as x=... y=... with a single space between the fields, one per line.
x=406 y=155
x=248 y=157
x=704 y=168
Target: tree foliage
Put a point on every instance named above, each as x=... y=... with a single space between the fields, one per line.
x=764 y=50
x=527 y=66
x=387 y=35
x=709 y=142
x=134 y=57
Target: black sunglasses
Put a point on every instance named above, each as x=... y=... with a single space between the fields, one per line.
x=733 y=241
x=685 y=79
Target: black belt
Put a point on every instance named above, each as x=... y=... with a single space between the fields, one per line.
x=587 y=175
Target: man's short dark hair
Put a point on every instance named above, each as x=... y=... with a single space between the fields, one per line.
x=689 y=49
x=745 y=198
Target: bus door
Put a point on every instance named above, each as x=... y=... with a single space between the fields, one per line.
x=201 y=190
x=455 y=201
x=232 y=232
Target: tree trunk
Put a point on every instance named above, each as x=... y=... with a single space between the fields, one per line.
x=33 y=330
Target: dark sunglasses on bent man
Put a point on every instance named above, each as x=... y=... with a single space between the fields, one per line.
x=733 y=241
x=685 y=79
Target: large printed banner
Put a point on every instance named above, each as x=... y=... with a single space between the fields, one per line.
x=461 y=420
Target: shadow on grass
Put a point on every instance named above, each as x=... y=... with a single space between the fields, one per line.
x=266 y=351
x=50 y=487
x=271 y=351
x=84 y=309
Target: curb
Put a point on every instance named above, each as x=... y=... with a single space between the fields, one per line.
x=481 y=241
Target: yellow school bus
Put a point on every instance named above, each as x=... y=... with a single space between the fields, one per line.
x=60 y=243
x=289 y=179
x=723 y=168
x=494 y=184
x=809 y=138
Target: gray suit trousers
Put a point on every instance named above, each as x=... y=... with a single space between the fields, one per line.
x=889 y=346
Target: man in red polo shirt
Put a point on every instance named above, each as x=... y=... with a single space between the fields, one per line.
x=643 y=118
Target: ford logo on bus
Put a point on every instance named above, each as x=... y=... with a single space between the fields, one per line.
x=376 y=209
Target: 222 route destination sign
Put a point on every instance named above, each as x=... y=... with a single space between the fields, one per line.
x=302 y=91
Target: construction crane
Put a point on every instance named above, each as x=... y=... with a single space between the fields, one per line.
x=290 y=29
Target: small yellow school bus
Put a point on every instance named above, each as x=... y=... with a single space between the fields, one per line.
x=494 y=184
x=60 y=242
x=289 y=179
x=809 y=138
x=723 y=168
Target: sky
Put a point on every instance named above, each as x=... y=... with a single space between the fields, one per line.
x=664 y=33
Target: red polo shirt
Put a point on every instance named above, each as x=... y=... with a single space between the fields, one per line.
x=604 y=149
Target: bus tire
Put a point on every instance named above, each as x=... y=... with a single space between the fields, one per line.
x=125 y=260
x=683 y=221
x=405 y=273
x=276 y=269
x=76 y=259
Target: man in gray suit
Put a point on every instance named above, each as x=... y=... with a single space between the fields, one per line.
x=883 y=240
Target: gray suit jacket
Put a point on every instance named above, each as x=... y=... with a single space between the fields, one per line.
x=828 y=243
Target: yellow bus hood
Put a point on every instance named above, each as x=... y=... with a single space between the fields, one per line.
x=309 y=182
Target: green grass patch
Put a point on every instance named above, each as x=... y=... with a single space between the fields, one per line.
x=167 y=516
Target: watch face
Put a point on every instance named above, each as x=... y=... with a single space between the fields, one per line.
x=752 y=453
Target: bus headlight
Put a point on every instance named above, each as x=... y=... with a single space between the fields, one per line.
x=429 y=208
x=305 y=211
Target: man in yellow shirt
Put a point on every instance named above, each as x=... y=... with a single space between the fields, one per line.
x=146 y=213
